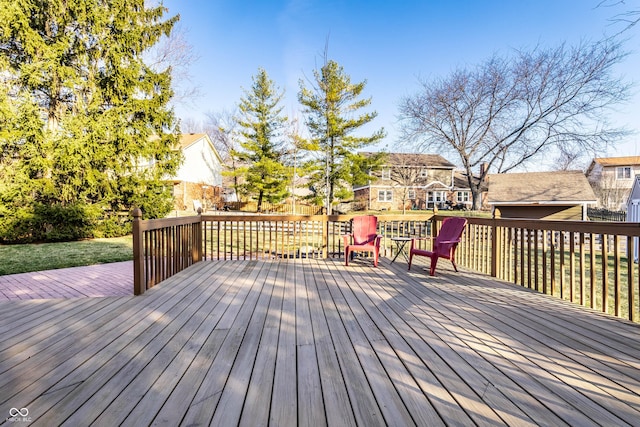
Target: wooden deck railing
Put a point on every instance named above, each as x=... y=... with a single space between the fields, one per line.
x=163 y=247
x=589 y=263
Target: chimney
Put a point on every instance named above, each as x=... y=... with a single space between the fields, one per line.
x=484 y=166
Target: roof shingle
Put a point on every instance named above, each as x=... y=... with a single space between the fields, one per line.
x=540 y=187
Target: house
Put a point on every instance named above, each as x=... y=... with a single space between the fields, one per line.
x=413 y=181
x=612 y=179
x=198 y=181
x=541 y=195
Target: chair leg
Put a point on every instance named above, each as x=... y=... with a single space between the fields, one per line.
x=434 y=262
x=346 y=256
x=410 y=259
x=375 y=258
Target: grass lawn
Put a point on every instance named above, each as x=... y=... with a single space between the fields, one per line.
x=48 y=256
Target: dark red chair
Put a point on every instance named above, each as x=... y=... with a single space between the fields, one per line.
x=363 y=238
x=445 y=244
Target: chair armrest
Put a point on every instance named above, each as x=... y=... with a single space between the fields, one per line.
x=449 y=241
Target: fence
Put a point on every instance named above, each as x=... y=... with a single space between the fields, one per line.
x=280 y=208
x=606 y=215
x=589 y=263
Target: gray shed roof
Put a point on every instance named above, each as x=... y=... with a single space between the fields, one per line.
x=555 y=187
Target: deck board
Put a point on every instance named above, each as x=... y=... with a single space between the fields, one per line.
x=312 y=342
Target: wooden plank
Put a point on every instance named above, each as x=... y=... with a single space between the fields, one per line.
x=360 y=368
x=40 y=374
x=552 y=362
x=157 y=357
x=284 y=399
x=33 y=328
x=236 y=320
x=210 y=343
x=454 y=385
x=233 y=397
x=334 y=389
x=45 y=336
x=94 y=384
x=257 y=402
x=398 y=358
x=538 y=383
x=181 y=396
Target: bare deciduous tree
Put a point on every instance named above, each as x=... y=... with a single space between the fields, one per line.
x=628 y=18
x=507 y=112
x=176 y=53
x=222 y=128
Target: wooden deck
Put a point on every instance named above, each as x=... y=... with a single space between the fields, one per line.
x=311 y=342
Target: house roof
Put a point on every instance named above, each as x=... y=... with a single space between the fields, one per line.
x=186 y=139
x=555 y=187
x=618 y=161
x=417 y=159
x=460 y=181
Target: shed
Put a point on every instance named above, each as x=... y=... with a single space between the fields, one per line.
x=557 y=195
x=633 y=209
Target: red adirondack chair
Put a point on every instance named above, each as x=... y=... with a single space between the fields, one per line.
x=445 y=244
x=363 y=238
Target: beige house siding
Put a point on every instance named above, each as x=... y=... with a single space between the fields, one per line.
x=198 y=181
x=612 y=179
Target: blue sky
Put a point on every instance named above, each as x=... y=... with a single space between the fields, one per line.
x=391 y=44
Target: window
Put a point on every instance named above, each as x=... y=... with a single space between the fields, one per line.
x=386 y=173
x=463 y=196
x=385 y=195
x=623 y=172
x=424 y=173
x=411 y=194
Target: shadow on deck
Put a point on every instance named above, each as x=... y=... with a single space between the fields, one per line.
x=312 y=342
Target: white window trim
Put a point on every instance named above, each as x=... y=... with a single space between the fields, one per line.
x=466 y=196
x=386 y=174
x=385 y=196
x=621 y=170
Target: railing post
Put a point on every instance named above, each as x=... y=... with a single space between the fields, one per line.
x=138 y=254
x=325 y=237
x=196 y=249
x=495 y=241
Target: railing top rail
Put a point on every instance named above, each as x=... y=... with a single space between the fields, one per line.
x=156 y=224
x=330 y=218
x=595 y=227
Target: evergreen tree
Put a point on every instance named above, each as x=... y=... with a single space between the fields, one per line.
x=88 y=131
x=262 y=146
x=329 y=107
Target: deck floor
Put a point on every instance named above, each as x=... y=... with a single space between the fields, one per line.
x=312 y=342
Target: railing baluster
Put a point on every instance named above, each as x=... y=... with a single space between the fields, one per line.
x=605 y=272
x=582 y=272
x=616 y=275
x=592 y=262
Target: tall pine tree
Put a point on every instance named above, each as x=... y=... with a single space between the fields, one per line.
x=88 y=129
x=329 y=106
x=262 y=148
